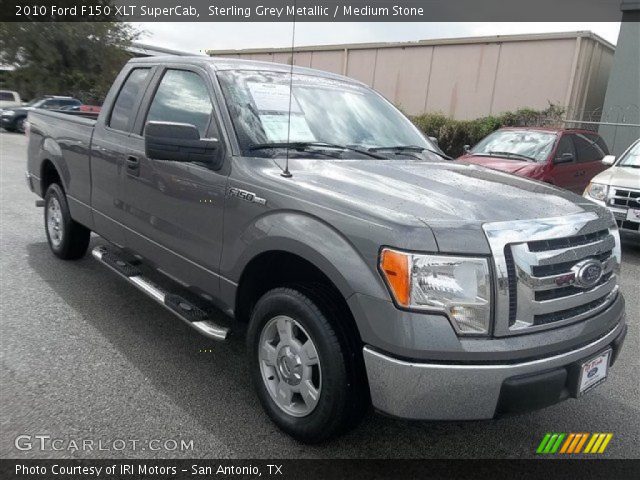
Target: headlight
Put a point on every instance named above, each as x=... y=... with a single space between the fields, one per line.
x=7 y=113
x=597 y=191
x=459 y=287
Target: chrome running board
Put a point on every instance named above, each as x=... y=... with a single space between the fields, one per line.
x=189 y=313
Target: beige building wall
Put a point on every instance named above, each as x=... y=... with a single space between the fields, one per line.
x=470 y=77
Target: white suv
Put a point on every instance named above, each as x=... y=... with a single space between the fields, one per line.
x=619 y=189
x=9 y=99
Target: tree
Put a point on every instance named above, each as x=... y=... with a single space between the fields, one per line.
x=80 y=59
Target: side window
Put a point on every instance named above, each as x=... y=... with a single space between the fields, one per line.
x=51 y=105
x=565 y=147
x=124 y=105
x=599 y=143
x=587 y=150
x=182 y=97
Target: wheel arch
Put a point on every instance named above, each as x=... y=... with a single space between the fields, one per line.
x=49 y=174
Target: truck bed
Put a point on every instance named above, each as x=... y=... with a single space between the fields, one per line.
x=63 y=139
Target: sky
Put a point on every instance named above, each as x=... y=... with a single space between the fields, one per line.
x=197 y=37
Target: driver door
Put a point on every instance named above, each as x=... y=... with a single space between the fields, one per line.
x=174 y=209
x=566 y=174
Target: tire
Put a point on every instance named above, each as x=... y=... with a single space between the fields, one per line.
x=19 y=124
x=337 y=381
x=67 y=238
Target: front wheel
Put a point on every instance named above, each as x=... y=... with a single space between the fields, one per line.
x=20 y=124
x=302 y=369
x=67 y=238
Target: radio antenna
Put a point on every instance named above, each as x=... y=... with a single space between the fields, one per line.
x=286 y=173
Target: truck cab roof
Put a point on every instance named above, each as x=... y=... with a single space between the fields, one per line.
x=221 y=64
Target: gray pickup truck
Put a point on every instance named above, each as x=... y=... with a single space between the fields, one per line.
x=367 y=268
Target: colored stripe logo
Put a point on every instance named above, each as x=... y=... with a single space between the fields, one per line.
x=574 y=443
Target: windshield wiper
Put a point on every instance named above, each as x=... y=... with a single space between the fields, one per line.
x=410 y=148
x=508 y=154
x=628 y=166
x=302 y=146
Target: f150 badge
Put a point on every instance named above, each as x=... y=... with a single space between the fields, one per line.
x=245 y=195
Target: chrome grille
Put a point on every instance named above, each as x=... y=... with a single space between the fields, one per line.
x=625 y=198
x=534 y=261
x=620 y=200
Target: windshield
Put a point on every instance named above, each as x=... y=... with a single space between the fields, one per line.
x=35 y=102
x=632 y=157
x=322 y=111
x=517 y=144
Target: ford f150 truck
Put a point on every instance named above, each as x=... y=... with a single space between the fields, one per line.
x=368 y=269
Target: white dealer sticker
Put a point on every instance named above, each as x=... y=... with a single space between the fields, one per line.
x=594 y=371
x=273 y=97
x=278 y=130
x=633 y=214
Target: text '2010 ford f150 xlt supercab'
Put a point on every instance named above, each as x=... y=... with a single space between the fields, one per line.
x=369 y=269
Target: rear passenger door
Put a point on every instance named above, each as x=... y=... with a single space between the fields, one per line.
x=174 y=210
x=594 y=163
x=109 y=150
x=590 y=149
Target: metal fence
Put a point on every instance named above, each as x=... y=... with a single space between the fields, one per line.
x=618 y=125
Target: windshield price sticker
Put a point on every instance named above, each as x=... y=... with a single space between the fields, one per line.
x=273 y=97
x=278 y=129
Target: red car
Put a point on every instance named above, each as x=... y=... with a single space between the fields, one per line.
x=568 y=158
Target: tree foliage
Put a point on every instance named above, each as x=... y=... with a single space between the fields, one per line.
x=80 y=59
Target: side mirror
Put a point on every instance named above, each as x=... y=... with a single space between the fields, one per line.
x=466 y=148
x=179 y=142
x=434 y=140
x=566 y=157
x=609 y=159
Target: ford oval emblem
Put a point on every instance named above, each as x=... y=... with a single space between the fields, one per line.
x=592 y=372
x=588 y=272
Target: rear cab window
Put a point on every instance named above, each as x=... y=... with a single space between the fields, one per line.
x=125 y=105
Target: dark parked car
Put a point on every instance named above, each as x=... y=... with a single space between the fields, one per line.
x=14 y=119
x=567 y=158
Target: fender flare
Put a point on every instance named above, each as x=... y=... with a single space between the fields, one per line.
x=312 y=239
x=51 y=152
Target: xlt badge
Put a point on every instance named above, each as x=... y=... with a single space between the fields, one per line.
x=245 y=195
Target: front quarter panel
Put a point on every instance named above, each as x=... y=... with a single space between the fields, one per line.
x=304 y=235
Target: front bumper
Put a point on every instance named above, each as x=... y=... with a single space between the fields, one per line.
x=456 y=391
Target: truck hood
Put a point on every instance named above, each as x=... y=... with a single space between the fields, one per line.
x=508 y=165
x=452 y=199
x=624 y=177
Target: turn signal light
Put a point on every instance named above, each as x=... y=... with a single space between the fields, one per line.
x=395 y=267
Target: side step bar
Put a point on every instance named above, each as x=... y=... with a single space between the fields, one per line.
x=189 y=313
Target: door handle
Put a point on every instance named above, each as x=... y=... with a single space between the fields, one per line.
x=133 y=165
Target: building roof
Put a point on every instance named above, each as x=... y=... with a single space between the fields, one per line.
x=420 y=43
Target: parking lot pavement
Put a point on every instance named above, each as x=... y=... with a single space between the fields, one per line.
x=86 y=356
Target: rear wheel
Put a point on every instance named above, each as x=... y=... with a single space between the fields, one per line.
x=302 y=366
x=67 y=238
